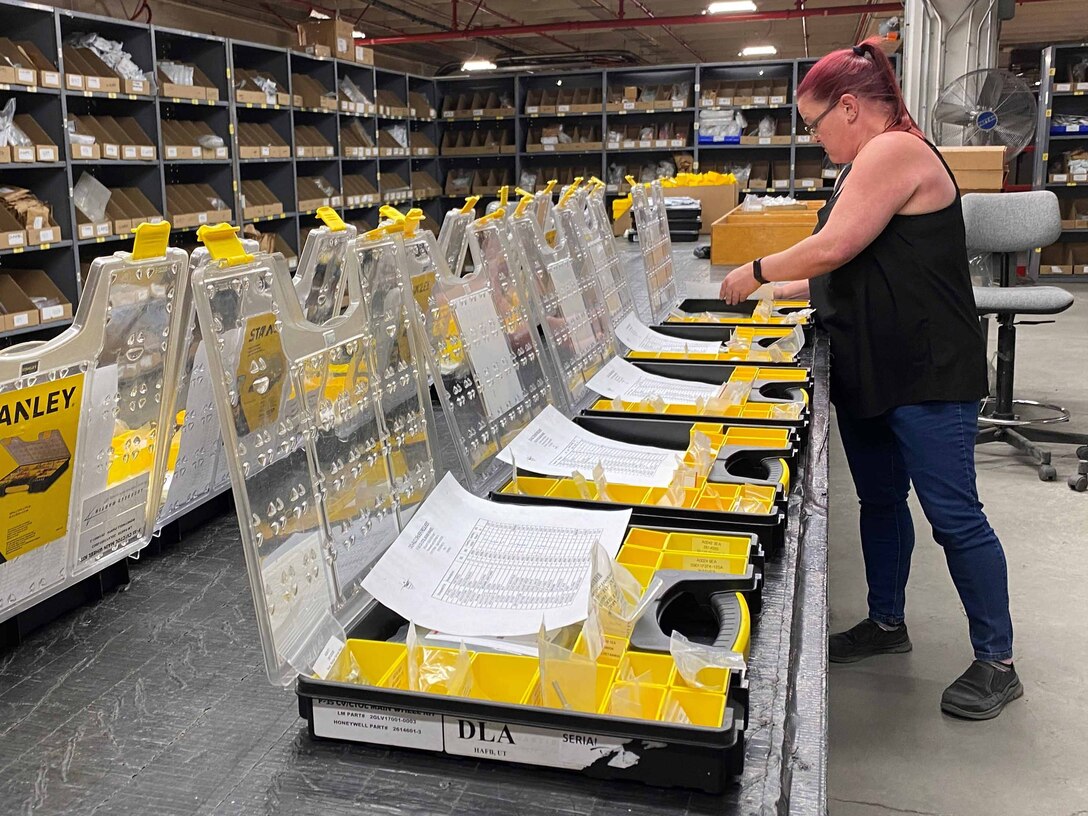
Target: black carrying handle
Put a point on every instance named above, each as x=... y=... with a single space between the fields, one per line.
x=727 y=610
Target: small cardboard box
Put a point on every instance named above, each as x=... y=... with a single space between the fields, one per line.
x=46 y=234
x=138 y=206
x=106 y=143
x=780 y=89
x=726 y=93
x=420 y=107
x=1078 y=258
x=364 y=55
x=17 y=311
x=44 y=149
x=100 y=77
x=809 y=173
x=120 y=218
x=15 y=67
x=12 y=233
x=979 y=169
x=1056 y=260
x=37 y=285
x=172 y=90
x=177 y=142
x=119 y=136
x=138 y=145
x=744 y=94
x=420 y=144
x=48 y=75
x=458 y=182
x=780 y=175
x=334 y=34
x=532 y=100
x=759 y=175
x=761 y=93
x=74 y=77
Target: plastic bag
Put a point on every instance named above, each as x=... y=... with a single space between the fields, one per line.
x=646 y=133
x=10 y=134
x=324 y=185
x=702 y=666
x=353 y=92
x=361 y=134
x=178 y=73
x=90 y=197
x=110 y=52
x=649 y=94
x=785 y=349
x=399 y=134
x=567 y=680
x=527 y=181
x=616 y=173
x=680 y=92
x=210 y=141
x=74 y=136
x=666 y=169
x=767 y=126
x=437 y=671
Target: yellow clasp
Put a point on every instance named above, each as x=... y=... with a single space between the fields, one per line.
x=223 y=243
x=151 y=240
x=470 y=202
x=331 y=219
x=526 y=200
x=497 y=215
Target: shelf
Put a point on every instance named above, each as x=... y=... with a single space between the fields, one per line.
x=260 y=106
x=462 y=119
x=564 y=115
x=265 y=160
x=1069 y=136
x=323 y=111
x=651 y=112
x=46 y=326
x=771 y=106
x=375 y=205
x=114 y=162
x=722 y=146
x=192 y=161
x=200 y=103
x=110 y=95
x=106 y=239
x=1070 y=93
x=30 y=89
x=317 y=158
x=1067 y=184
x=535 y=153
x=37 y=165
x=263 y=218
x=38 y=248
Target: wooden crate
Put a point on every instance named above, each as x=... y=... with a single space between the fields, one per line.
x=739 y=237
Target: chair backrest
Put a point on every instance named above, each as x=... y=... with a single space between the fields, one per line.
x=1011 y=222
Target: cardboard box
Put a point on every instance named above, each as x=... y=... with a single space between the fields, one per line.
x=120 y=219
x=311 y=144
x=458 y=182
x=41 y=148
x=248 y=92
x=107 y=145
x=138 y=206
x=177 y=142
x=358 y=191
x=1056 y=260
x=12 y=233
x=389 y=104
x=334 y=34
x=74 y=78
x=364 y=55
x=99 y=76
x=17 y=311
x=48 y=233
x=15 y=67
x=420 y=107
x=759 y=175
x=312 y=94
x=739 y=237
x=1078 y=258
x=37 y=286
x=977 y=169
x=808 y=174
x=424 y=185
x=310 y=195
x=48 y=75
x=420 y=144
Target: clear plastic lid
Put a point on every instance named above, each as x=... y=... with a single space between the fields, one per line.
x=317 y=489
x=605 y=260
x=80 y=416
x=567 y=301
x=320 y=278
x=453 y=235
x=652 y=223
x=196 y=464
x=482 y=346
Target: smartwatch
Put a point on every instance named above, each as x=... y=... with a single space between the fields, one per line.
x=757 y=270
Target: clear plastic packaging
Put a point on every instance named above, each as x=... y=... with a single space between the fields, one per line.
x=210 y=141
x=767 y=127
x=74 y=136
x=90 y=197
x=353 y=92
x=10 y=133
x=703 y=666
x=399 y=134
x=178 y=73
x=680 y=91
x=112 y=53
x=527 y=181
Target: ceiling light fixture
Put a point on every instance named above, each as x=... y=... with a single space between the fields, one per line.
x=730 y=6
x=759 y=51
x=478 y=65
x=357 y=34
x=318 y=15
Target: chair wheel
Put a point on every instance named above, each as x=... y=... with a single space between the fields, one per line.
x=1082 y=452
x=1078 y=483
x=1047 y=473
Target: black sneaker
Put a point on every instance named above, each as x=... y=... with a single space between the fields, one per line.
x=865 y=640
x=981 y=692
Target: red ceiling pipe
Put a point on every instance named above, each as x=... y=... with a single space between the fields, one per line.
x=631 y=22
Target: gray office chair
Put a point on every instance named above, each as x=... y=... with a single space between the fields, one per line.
x=1004 y=224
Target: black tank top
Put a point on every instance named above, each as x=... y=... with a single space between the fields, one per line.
x=901 y=315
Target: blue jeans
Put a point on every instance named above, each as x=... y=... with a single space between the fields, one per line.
x=932 y=446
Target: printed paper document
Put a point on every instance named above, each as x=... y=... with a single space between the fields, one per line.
x=637 y=336
x=630 y=383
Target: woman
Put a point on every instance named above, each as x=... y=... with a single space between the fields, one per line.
x=887 y=272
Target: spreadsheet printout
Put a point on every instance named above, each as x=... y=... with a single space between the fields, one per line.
x=637 y=336
x=630 y=383
x=470 y=567
x=552 y=445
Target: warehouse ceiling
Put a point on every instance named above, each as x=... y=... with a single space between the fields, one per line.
x=706 y=40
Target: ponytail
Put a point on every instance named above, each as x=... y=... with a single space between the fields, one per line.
x=864 y=71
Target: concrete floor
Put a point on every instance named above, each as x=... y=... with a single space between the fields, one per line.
x=891 y=749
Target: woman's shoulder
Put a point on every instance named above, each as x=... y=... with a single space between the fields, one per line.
x=899 y=142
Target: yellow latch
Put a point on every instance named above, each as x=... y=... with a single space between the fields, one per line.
x=470 y=202
x=331 y=219
x=504 y=196
x=496 y=215
x=151 y=240
x=405 y=223
x=526 y=200
x=522 y=192
x=631 y=180
x=223 y=243
x=570 y=191
x=548 y=187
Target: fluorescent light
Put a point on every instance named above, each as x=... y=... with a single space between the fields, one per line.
x=478 y=65
x=357 y=34
x=318 y=15
x=730 y=6
x=759 y=51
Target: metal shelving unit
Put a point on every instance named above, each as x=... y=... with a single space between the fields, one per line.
x=1059 y=94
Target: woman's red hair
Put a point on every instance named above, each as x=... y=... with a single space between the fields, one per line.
x=864 y=71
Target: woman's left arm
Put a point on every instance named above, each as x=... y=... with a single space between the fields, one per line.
x=882 y=179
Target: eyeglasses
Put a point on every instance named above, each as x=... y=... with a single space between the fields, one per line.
x=811 y=127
